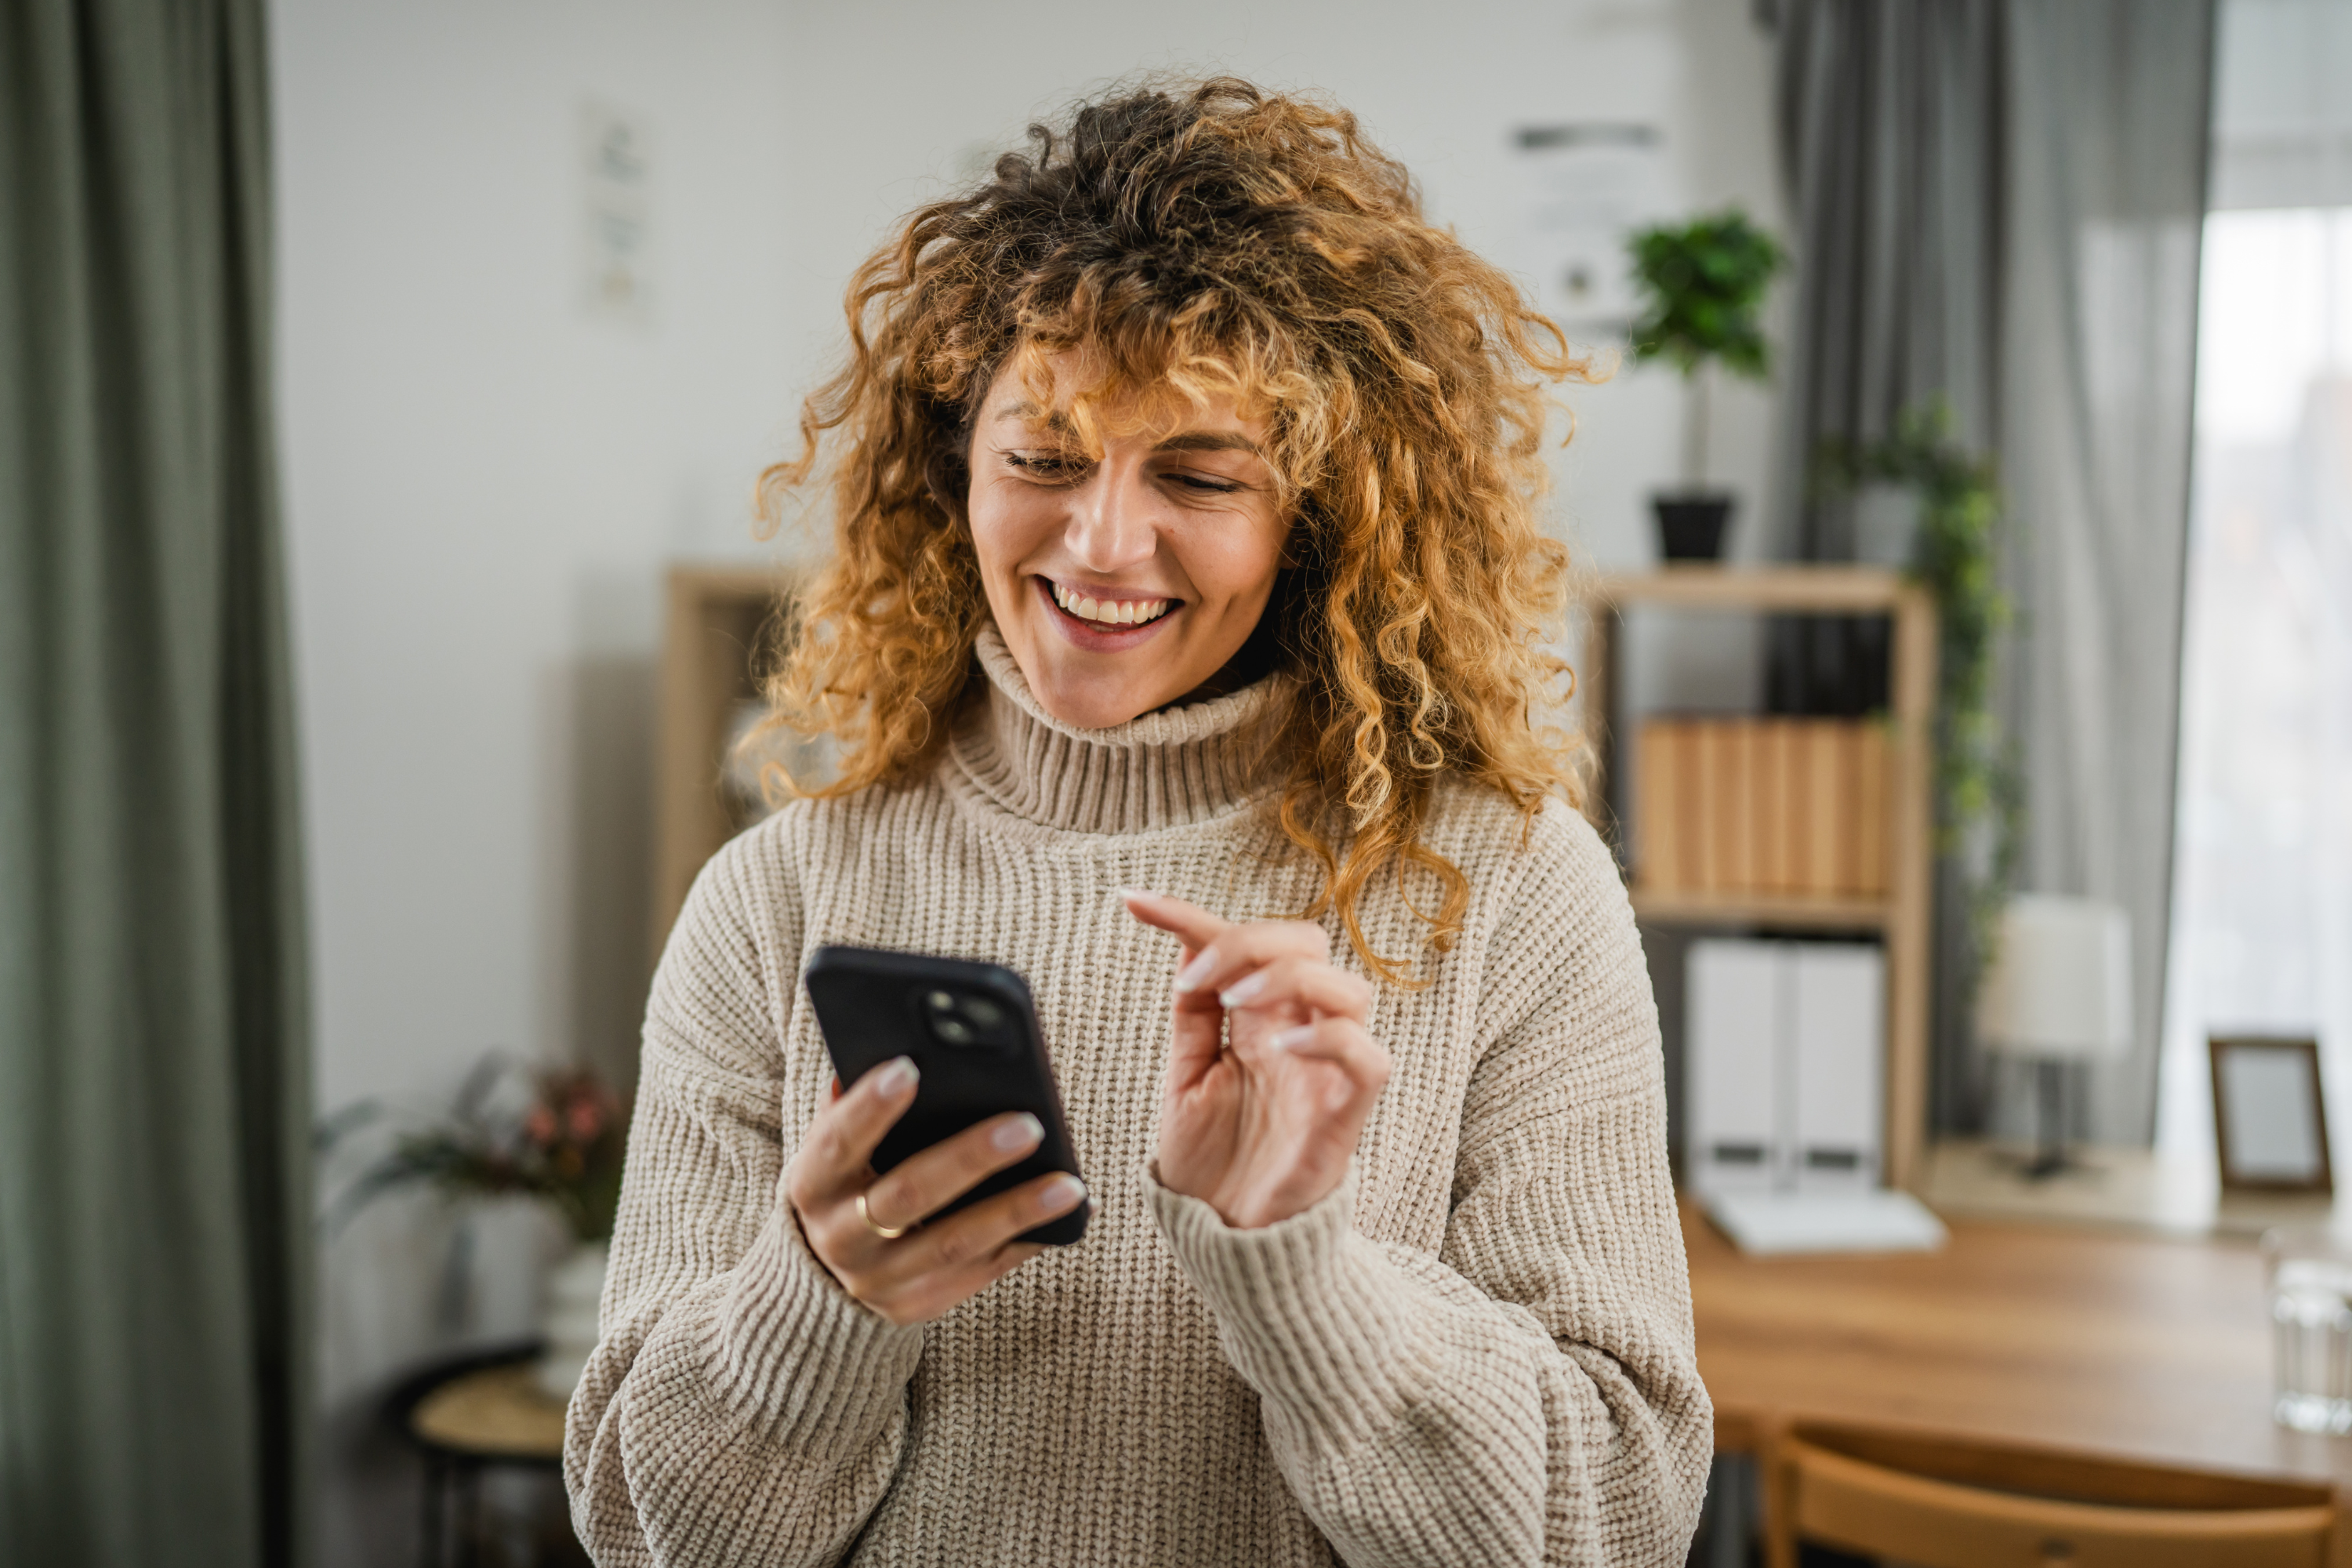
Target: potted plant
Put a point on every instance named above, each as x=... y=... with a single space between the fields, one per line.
x=558 y=1134
x=1702 y=286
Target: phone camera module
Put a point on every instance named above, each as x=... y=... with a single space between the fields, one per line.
x=952 y=1017
x=964 y=1020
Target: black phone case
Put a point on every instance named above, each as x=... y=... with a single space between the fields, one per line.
x=870 y=1006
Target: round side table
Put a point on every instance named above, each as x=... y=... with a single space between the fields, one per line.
x=465 y=1416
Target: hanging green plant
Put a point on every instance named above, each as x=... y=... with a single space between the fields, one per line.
x=1979 y=796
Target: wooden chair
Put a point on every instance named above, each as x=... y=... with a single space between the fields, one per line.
x=1936 y=1503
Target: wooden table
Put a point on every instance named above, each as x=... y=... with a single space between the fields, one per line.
x=2111 y=1187
x=2120 y=1345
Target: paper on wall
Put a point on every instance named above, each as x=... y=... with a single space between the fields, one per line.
x=1583 y=188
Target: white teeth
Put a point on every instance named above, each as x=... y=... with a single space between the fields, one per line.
x=1109 y=612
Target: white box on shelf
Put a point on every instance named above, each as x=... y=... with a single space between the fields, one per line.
x=1737 y=1139
x=1782 y=1066
x=1837 y=1019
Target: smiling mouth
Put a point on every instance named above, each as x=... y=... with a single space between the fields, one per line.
x=1109 y=612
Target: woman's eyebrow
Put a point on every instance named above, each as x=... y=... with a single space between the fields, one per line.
x=1051 y=421
x=1183 y=441
x=1208 y=441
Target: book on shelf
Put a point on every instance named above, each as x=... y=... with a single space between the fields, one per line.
x=1718 y=805
x=1872 y=802
x=1829 y=783
x=1662 y=773
x=1766 y=806
x=1773 y=809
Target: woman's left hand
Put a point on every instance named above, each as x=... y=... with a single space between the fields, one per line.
x=1272 y=1074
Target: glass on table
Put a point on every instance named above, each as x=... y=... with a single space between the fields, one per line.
x=2310 y=1271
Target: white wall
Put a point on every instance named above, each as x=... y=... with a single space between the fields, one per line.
x=1443 y=88
x=484 y=483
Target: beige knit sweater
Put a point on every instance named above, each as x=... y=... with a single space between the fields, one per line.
x=1477 y=1351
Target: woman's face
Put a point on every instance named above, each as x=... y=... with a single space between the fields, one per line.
x=1123 y=582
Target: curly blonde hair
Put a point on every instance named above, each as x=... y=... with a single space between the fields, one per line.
x=1185 y=242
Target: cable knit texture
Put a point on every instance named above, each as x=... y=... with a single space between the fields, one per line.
x=1478 y=1350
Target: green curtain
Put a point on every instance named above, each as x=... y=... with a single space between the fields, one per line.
x=154 y=1058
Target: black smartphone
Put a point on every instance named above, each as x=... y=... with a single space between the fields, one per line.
x=972 y=1033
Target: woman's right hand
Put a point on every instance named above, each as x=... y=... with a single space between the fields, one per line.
x=922 y=1273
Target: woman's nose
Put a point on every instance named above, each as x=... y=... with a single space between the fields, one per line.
x=1111 y=527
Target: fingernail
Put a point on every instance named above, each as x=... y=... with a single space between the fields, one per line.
x=1061 y=1193
x=1018 y=1134
x=1244 y=990
x=1193 y=974
x=895 y=1077
x=1136 y=893
x=1290 y=1040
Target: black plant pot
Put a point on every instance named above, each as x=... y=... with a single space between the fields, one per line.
x=1690 y=527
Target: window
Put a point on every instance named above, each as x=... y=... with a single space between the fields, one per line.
x=2262 y=928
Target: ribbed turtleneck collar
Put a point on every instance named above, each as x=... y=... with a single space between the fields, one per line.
x=1178 y=766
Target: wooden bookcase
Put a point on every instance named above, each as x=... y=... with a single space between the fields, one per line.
x=1903 y=914
x=723 y=624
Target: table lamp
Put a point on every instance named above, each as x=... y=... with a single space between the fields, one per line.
x=2058 y=993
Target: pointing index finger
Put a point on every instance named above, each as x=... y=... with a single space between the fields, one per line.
x=1193 y=925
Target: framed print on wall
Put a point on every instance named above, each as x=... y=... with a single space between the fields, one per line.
x=2270 y=1125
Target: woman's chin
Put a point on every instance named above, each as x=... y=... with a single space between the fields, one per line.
x=1094 y=690
x=1097 y=701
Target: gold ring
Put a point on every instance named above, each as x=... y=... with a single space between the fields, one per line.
x=887 y=1233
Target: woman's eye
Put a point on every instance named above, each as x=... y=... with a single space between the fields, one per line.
x=1205 y=484
x=1049 y=465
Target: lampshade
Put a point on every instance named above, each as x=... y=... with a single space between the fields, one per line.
x=2059 y=987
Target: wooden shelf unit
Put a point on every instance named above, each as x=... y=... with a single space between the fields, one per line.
x=1902 y=917
x=722 y=622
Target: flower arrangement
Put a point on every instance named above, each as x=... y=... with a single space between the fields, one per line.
x=556 y=1133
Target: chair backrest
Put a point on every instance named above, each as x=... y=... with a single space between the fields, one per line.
x=1938 y=1503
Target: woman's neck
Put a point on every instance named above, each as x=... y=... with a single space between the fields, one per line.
x=1183 y=764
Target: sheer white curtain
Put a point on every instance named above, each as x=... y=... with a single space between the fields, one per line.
x=2106 y=168
x=2262 y=929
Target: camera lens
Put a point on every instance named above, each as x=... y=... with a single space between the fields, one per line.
x=983 y=1013
x=940 y=1001
x=954 y=1031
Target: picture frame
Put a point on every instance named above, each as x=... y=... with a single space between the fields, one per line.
x=2270 y=1118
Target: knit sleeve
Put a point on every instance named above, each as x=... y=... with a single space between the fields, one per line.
x=742 y=1409
x=1531 y=1393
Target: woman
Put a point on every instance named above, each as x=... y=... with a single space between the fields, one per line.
x=1187 y=586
